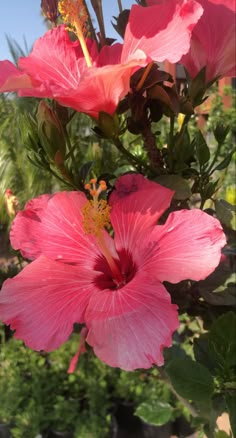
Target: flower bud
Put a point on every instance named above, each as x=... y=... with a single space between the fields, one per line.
x=108 y=125
x=50 y=10
x=50 y=131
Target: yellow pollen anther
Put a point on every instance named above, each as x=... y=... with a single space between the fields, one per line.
x=96 y=212
x=96 y=216
x=74 y=13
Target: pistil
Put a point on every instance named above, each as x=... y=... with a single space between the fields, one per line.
x=96 y=218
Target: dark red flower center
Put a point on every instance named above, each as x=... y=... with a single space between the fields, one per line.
x=105 y=278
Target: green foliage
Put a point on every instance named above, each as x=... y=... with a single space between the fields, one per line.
x=37 y=393
x=16 y=171
x=155 y=412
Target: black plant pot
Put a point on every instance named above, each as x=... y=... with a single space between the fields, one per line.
x=5 y=431
x=127 y=425
x=56 y=434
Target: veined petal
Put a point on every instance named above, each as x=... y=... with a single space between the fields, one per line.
x=25 y=233
x=188 y=246
x=209 y=47
x=62 y=232
x=137 y=204
x=52 y=69
x=44 y=301
x=101 y=88
x=129 y=327
x=12 y=79
x=56 y=62
x=162 y=31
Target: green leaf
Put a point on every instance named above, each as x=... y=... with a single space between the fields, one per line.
x=226 y=161
x=201 y=352
x=202 y=150
x=226 y=213
x=221 y=434
x=176 y=183
x=84 y=170
x=221 y=132
x=155 y=412
x=222 y=339
x=190 y=379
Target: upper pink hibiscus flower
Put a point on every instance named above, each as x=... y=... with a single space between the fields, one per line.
x=213 y=41
x=112 y=285
x=57 y=68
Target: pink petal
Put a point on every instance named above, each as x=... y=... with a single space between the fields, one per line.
x=62 y=232
x=101 y=89
x=161 y=31
x=129 y=327
x=53 y=69
x=56 y=62
x=230 y=4
x=210 y=47
x=12 y=79
x=137 y=204
x=25 y=233
x=188 y=246
x=44 y=301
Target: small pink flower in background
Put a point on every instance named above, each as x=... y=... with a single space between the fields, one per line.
x=213 y=41
x=80 y=274
x=57 y=69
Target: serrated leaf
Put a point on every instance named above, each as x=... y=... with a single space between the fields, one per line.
x=190 y=379
x=176 y=183
x=155 y=412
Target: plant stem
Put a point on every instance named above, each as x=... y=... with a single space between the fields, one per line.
x=120 y=6
x=184 y=402
x=71 y=151
x=135 y=160
x=214 y=159
x=93 y=33
x=153 y=152
x=171 y=143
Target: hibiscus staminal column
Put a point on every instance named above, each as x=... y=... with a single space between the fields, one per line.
x=75 y=13
x=96 y=215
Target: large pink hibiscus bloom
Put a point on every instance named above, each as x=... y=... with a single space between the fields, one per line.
x=213 y=41
x=112 y=285
x=56 y=68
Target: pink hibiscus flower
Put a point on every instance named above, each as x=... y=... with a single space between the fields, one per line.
x=57 y=69
x=213 y=41
x=80 y=274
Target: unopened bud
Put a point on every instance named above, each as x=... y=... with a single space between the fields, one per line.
x=51 y=132
x=108 y=125
x=50 y=10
